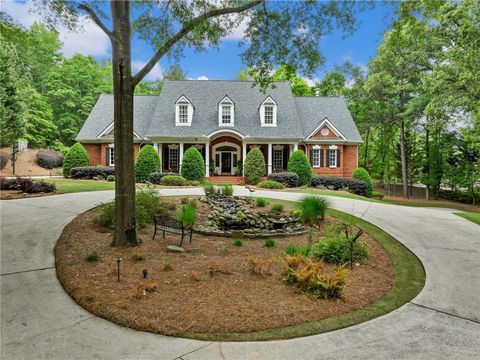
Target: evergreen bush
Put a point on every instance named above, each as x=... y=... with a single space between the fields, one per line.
x=147 y=162
x=254 y=166
x=299 y=164
x=77 y=156
x=362 y=174
x=193 y=165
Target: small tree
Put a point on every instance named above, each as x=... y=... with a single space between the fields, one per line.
x=193 y=165
x=75 y=157
x=299 y=164
x=147 y=162
x=362 y=174
x=254 y=166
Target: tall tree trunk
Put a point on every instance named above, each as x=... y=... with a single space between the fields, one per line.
x=365 y=152
x=125 y=220
x=403 y=157
x=427 y=162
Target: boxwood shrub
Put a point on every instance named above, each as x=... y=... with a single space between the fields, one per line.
x=155 y=178
x=288 y=179
x=147 y=162
x=173 y=180
x=270 y=184
x=362 y=174
x=77 y=156
x=193 y=166
x=254 y=166
x=299 y=164
x=92 y=172
x=49 y=159
x=357 y=187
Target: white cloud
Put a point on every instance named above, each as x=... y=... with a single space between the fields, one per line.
x=89 y=39
x=238 y=33
x=203 y=77
x=155 y=74
x=311 y=82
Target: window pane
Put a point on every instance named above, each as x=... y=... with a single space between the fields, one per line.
x=332 y=158
x=316 y=157
x=278 y=159
x=111 y=156
x=183 y=114
x=173 y=158
x=268 y=114
x=226 y=115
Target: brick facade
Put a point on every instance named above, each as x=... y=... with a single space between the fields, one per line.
x=348 y=161
x=98 y=153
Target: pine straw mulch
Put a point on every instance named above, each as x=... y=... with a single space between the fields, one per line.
x=209 y=289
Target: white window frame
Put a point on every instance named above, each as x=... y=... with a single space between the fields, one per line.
x=268 y=102
x=111 y=155
x=334 y=158
x=183 y=101
x=276 y=149
x=173 y=149
x=226 y=103
x=316 y=154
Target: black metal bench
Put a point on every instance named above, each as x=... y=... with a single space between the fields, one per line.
x=165 y=223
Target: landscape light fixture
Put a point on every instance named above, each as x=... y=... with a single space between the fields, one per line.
x=118 y=259
x=145 y=273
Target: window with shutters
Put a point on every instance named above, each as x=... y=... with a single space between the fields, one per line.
x=332 y=158
x=316 y=157
x=111 y=156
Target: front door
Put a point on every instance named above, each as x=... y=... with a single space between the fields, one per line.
x=226 y=163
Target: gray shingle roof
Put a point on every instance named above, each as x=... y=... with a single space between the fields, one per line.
x=313 y=110
x=154 y=116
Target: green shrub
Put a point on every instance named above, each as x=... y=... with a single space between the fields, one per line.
x=254 y=166
x=111 y=178
x=193 y=165
x=93 y=256
x=269 y=242
x=227 y=190
x=362 y=174
x=238 y=242
x=313 y=208
x=299 y=164
x=209 y=189
x=277 y=207
x=188 y=213
x=239 y=169
x=147 y=162
x=194 y=183
x=261 y=202
x=173 y=180
x=270 y=184
x=293 y=249
x=138 y=256
x=77 y=156
x=336 y=250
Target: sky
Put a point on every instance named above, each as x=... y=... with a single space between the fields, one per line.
x=224 y=62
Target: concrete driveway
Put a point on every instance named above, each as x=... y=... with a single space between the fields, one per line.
x=40 y=321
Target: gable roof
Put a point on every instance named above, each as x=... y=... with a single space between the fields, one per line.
x=154 y=115
x=313 y=110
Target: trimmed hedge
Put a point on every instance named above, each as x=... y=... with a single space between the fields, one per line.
x=193 y=166
x=49 y=159
x=288 y=179
x=254 y=166
x=173 y=180
x=3 y=161
x=156 y=177
x=362 y=174
x=77 y=156
x=270 y=184
x=92 y=172
x=26 y=185
x=147 y=162
x=357 y=187
x=299 y=164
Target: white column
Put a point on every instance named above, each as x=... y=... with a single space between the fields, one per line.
x=180 y=157
x=160 y=155
x=244 y=156
x=207 y=159
x=295 y=147
x=269 y=162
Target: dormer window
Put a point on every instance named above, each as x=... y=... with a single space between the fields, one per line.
x=268 y=112
x=226 y=112
x=183 y=112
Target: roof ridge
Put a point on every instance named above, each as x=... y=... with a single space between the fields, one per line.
x=220 y=80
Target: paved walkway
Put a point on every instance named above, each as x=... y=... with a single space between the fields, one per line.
x=40 y=321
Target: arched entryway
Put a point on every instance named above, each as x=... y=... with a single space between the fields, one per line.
x=226 y=155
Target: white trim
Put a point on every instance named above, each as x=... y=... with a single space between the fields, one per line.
x=183 y=101
x=218 y=167
x=316 y=149
x=110 y=149
x=277 y=148
x=330 y=125
x=328 y=157
x=226 y=101
x=230 y=131
x=333 y=147
x=110 y=128
x=269 y=162
x=273 y=104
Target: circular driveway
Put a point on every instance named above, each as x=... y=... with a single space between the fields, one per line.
x=40 y=321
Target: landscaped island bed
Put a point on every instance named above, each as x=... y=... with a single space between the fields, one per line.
x=209 y=289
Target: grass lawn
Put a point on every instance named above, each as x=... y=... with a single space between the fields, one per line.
x=71 y=186
x=472 y=216
x=409 y=281
x=337 y=193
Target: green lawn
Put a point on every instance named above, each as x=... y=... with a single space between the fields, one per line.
x=71 y=186
x=409 y=281
x=342 y=194
x=472 y=216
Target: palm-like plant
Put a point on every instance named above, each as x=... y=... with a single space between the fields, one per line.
x=313 y=209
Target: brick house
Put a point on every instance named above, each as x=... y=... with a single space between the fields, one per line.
x=224 y=120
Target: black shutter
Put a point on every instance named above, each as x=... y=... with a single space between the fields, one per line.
x=166 y=160
x=107 y=157
x=322 y=159
x=311 y=156
x=338 y=158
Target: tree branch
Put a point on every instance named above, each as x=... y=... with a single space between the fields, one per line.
x=189 y=26
x=95 y=19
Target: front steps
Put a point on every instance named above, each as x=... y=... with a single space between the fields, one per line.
x=226 y=179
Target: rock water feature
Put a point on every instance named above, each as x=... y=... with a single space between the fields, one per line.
x=231 y=214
